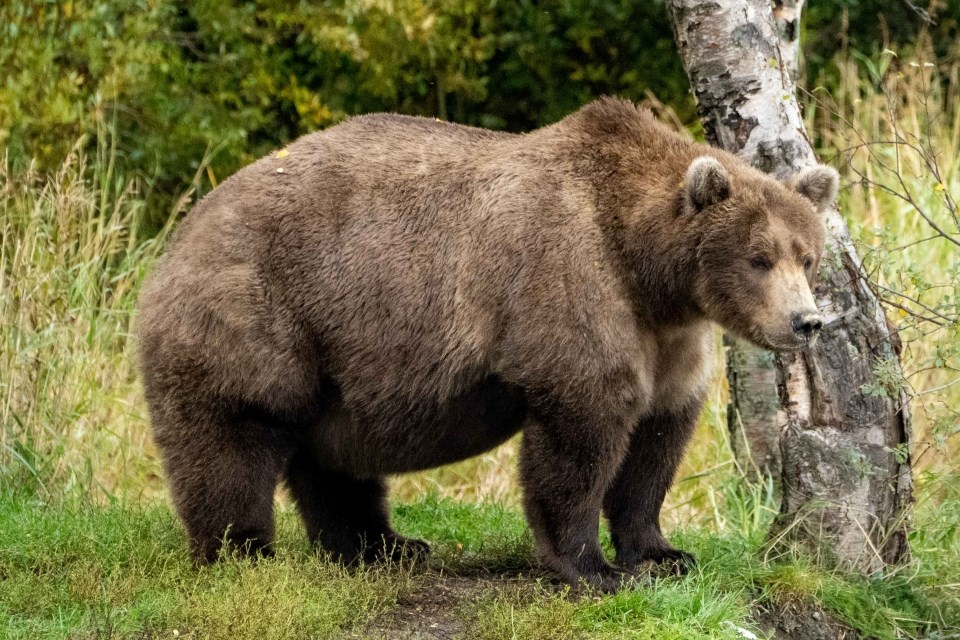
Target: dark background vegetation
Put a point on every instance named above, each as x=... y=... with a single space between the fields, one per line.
x=174 y=81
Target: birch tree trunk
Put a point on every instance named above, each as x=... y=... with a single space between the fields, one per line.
x=841 y=453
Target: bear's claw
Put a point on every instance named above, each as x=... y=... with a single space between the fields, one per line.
x=661 y=562
x=396 y=548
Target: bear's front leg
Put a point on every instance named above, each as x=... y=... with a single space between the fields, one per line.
x=566 y=465
x=634 y=499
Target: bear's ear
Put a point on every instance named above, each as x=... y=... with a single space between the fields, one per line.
x=819 y=185
x=707 y=182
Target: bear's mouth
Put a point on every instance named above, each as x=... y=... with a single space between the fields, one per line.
x=787 y=344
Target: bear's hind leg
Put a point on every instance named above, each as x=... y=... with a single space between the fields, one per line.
x=222 y=484
x=348 y=516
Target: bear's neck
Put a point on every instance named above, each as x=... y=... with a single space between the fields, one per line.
x=658 y=262
x=634 y=174
x=654 y=243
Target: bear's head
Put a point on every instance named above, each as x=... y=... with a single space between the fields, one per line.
x=759 y=249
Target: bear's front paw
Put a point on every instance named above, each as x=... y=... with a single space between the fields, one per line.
x=660 y=562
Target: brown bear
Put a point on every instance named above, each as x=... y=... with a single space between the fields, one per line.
x=397 y=293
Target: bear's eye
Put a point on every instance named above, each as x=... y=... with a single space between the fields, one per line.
x=761 y=262
x=807 y=263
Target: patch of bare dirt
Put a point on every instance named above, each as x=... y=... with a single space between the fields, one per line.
x=798 y=620
x=439 y=608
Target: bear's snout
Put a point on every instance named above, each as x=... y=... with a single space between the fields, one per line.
x=807 y=325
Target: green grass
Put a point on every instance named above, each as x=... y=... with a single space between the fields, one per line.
x=121 y=571
x=114 y=572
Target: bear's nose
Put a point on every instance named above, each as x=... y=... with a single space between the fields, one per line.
x=807 y=323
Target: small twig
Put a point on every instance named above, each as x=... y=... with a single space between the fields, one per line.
x=940 y=388
x=916 y=302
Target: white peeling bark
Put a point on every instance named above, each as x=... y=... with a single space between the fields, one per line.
x=844 y=493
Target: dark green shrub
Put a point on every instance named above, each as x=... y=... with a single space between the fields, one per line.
x=176 y=81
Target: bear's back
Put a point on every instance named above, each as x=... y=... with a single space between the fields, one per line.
x=318 y=173
x=354 y=243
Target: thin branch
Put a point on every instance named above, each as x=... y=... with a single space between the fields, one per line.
x=916 y=302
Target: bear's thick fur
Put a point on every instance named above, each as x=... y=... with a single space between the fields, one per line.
x=397 y=293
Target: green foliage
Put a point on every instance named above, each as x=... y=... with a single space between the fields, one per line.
x=179 y=81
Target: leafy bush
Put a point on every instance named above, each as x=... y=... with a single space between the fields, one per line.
x=180 y=81
x=176 y=81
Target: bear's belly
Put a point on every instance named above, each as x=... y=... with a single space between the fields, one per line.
x=478 y=420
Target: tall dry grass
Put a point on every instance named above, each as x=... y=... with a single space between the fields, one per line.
x=72 y=256
x=892 y=126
